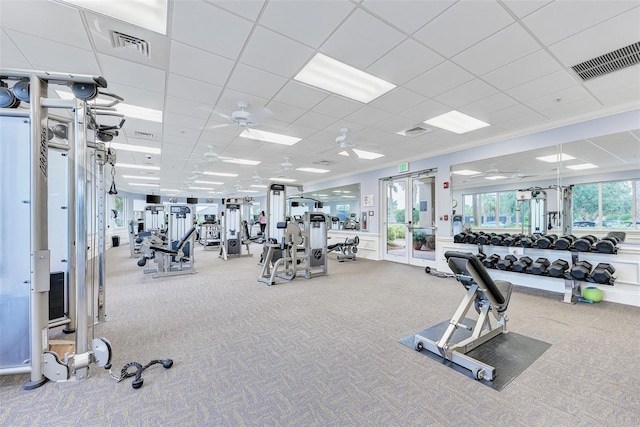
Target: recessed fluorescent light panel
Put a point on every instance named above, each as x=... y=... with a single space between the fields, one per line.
x=149 y=14
x=456 y=122
x=258 y=186
x=220 y=174
x=465 y=172
x=143 y=184
x=582 y=166
x=131 y=111
x=275 y=178
x=143 y=167
x=200 y=188
x=148 y=178
x=313 y=170
x=135 y=148
x=242 y=162
x=328 y=74
x=170 y=190
x=248 y=191
x=554 y=158
x=494 y=177
x=366 y=155
x=209 y=182
x=276 y=138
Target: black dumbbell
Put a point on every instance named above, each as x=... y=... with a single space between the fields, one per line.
x=522 y=264
x=506 y=263
x=512 y=240
x=546 y=241
x=459 y=238
x=581 y=270
x=603 y=274
x=498 y=238
x=491 y=261
x=470 y=238
x=558 y=268
x=607 y=245
x=528 y=241
x=539 y=266
x=484 y=239
x=564 y=242
x=584 y=243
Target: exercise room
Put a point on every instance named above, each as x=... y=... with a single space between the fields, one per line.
x=320 y=212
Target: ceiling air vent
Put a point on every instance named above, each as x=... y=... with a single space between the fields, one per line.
x=119 y=40
x=145 y=135
x=415 y=131
x=324 y=162
x=609 y=62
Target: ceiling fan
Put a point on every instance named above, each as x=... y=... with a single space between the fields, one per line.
x=345 y=143
x=211 y=156
x=242 y=117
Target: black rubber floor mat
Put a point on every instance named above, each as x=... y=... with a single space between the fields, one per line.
x=510 y=353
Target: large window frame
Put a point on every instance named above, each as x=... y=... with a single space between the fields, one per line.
x=610 y=205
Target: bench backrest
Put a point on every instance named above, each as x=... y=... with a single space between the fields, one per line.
x=466 y=263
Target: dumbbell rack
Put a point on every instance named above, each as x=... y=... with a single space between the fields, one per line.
x=571 y=284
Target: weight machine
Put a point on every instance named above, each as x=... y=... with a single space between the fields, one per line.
x=25 y=265
x=235 y=230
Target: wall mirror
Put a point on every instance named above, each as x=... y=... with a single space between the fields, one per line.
x=342 y=204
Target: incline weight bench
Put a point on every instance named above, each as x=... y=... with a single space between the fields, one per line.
x=490 y=299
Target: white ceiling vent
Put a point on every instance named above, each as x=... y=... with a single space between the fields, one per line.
x=121 y=40
x=324 y=162
x=415 y=131
x=609 y=62
x=145 y=135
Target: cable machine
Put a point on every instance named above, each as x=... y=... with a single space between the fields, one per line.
x=25 y=264
x=235 y=230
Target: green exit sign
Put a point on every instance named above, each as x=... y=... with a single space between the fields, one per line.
x=403 y=167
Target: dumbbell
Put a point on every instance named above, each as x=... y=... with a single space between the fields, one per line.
x=459 y=238
x=506 y=263
x=564 y=242
x=497 y=239
x=558 y=268
x=607 y=245
x=522 y=264
x=581 y=270
x=470 y=238
x=603 y=273
x=484 y=238
x=491 y=261
x=528 y=241
x=584 y=243
x=546 y=241
x=539 y=266
x=512 y=240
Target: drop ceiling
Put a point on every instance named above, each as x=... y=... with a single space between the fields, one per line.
x=506 y=62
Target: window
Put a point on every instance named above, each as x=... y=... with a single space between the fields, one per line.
x=116 y=211
x=608 y=205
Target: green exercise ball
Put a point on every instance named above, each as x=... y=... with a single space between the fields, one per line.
x=592 y=293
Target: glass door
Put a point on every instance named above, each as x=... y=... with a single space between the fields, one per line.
x=410 y=220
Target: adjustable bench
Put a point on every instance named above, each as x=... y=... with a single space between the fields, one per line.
x=490 y=299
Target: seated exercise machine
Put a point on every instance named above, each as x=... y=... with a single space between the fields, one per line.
x=490 y=299
x=347 y=249
x=235 y=231
x=173 y=260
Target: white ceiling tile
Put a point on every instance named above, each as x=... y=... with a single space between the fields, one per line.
x=361 y=40
x=9 y=50
x=336 y=106
x=508 y=116
x=397 y=100
x=54 y=56
x=567 y=109
x=617 y=80
x=501 y=48
x=249 y=9
x=425 y=111
x=53 y=21
x=198 y=64
x=183 y=121
x=561 y=19
x=309 y=22
x=545 y=85
x=479 y=109
x=407 y=15
x=187 y=107
x=132 y=74
x=439 y=79
x=524 y=7
x=395 y=124
x=404 y=62
x=209 y=28
x=367 y=115
x=621 y=31
x=136 y=125
x=11 y=63
x=300 y=95
x=463 y=25
x=466 y=93
x=195 y=90
x=285 y=112
x=523 y=70
x=567 y=96
x=255 y=82
x=277 y=54
x=315 y=120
